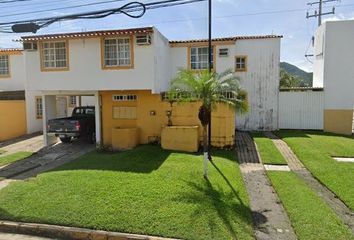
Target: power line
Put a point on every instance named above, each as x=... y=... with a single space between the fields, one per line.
x=61 y=8
x=320 y=12
x=13 y=1
x=32 y=25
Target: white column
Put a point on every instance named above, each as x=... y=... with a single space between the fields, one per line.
x=49 y=112
x=98 y=117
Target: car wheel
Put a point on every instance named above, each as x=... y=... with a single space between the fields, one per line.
x=65 y=139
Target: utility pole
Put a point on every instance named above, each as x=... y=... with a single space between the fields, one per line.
x=320 y=12
x=210 y=69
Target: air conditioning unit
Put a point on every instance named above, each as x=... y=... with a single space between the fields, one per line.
x=31 y=46
x=223 y=52
x=143 y=40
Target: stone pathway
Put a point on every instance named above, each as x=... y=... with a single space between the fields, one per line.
x=269 y=217
x=328 y=196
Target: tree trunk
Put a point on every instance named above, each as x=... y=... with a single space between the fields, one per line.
x=205 y=150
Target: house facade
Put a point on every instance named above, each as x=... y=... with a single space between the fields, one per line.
x=126 y=71
x=12 y=94
x=334 y=72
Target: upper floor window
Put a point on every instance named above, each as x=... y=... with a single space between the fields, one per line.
x=199 y=58
x=241 y=64
x=117 y=52
x=4 y=66
x=54 y=55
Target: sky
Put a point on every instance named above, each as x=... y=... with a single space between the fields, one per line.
x=230 y=18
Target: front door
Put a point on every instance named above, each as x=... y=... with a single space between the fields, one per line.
x=62 y=106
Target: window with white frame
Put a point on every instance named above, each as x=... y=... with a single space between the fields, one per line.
x=54 y=55
x=241 y=64
x=39 y=108
x=128 y=97
x=117 y=52
x=199 y=58
x=73 y=101
x=4 y=65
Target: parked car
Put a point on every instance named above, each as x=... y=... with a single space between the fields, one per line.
x=80 y=124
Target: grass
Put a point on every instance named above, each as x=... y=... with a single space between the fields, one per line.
x=311 y=218
x=315 y=150
x=268 y=151
x=146 y=191
x=4 y=160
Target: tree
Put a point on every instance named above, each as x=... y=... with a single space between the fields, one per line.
x=287 y=80
x=209 y=89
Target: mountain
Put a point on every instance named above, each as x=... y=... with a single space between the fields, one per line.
x=306 y=77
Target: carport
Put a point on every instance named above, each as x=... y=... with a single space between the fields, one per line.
x=50 y=111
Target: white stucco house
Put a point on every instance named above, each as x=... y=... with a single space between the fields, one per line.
x=109 y=64
x=334 y=72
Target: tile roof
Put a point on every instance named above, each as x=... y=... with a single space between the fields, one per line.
x=10 y=50
x=228 y=39
x=88 y=34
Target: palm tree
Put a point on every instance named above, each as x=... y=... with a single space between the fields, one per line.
x=209 y=89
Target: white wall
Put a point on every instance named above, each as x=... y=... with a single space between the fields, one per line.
x=318 y=66
x=338 y=72
x=16 y=81
x=261 y=80
x=301 y=110
x=86 y=73
x=33 y=124
x=162 y=62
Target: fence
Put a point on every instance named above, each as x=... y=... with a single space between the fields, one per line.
x=301 y=110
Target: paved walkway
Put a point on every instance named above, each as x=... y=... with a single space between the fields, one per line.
x=269 y=217
x=11 y=236
x=28 y=143
x=46 y=159
x=330 y=198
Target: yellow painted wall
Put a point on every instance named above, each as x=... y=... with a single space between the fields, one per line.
x=12 y=119
x=180 y=138
x=338 y=121
x=150 y=126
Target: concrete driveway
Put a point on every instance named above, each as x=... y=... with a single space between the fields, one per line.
x=43 y=159
x=11 y=236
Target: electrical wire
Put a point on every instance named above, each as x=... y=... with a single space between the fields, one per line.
x=130 y=7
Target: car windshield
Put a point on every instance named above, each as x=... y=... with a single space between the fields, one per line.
x=84 y=111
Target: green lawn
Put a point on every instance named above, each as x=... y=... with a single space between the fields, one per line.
x=268 y=151
x=311 y=218
x=146 y=191
x=4 y=160
x=315 y=149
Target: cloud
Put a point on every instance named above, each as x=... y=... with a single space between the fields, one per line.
x=340 y=17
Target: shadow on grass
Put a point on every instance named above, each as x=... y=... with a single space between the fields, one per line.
x=143 y=159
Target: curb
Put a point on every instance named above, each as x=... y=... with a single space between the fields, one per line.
x=70 y=233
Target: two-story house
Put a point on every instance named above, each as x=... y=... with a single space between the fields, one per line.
x=12 y=94
x=126 y=71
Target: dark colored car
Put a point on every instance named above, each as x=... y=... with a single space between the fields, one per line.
x=80 y=124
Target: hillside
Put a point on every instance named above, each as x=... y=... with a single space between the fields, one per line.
x=306 y=77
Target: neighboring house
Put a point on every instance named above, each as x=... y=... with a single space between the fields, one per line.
x=334 y=71
x=12 y=94
x=15 y=118
x=126 y=71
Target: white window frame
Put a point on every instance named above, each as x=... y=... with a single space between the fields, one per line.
x=121 y=51
x=50 y=57
x=198 y=60
x=4 y=65
x=124 y=97
x=39 y=107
